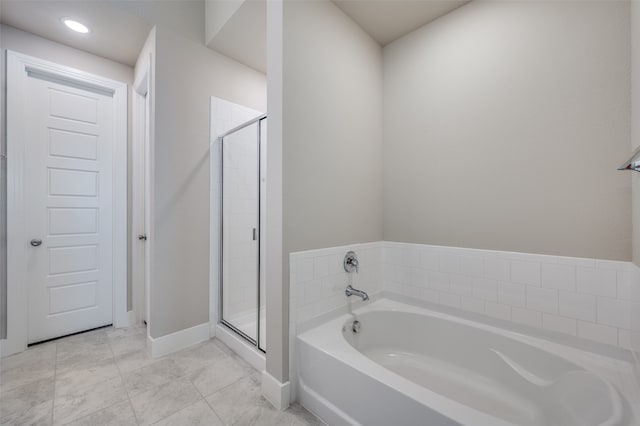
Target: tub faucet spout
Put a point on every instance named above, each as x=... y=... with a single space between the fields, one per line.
x=350 y=291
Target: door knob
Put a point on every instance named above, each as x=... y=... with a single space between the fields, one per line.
x=36 y=242
x=142 y=237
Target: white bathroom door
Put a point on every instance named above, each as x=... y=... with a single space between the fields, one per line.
x=68 y=191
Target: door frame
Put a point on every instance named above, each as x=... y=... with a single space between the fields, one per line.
x=18 y=67
x=141 y=194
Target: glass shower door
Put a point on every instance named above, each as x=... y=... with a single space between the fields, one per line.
x=241 y=230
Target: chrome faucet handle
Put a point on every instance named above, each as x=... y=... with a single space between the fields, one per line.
x=351 y=262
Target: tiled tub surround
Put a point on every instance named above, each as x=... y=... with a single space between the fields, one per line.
x=598 y=300
x=317 y=282
x=593 y=299
x=589 y=299
x=318 y=279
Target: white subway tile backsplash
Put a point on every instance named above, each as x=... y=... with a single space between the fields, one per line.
x=635 y=341
x=542 y=299
x=448 y=299
x=598 y=332
x=472 y=265
x=628 y=288
x=305 y=270
x=328 y=286
x=321 y=267
x=312 y=291
x=497 y=310
x=419 y=277
x=559 y=324
x=485 y=289
x=524 y=272
x=594 y=299
x=336 y=264
x=613 y=312
x=411 y=257
x=401 y=274
x=393 y=255
x=430 y=259
x=512 y=294
x=599 y=282
x=461 y=284
x=578 y=306
x=612 y=265
x=389 y=273
x=438 y=281
x=528 y=257
x=304 y=313
x=624 y=339
x=496 y=268
x=393 y=287
x=559 y=277
x=430 y=295
x=526 y=317
x=411 y=291
x=577 y=261
x=472 y=305
x=449 y=263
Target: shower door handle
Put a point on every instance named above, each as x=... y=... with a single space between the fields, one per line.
x=255 y=236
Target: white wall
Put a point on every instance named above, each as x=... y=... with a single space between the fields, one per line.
x=217 y=13
x=504 y=123
x=187 y=75
x=29 y=44
x=332 y=118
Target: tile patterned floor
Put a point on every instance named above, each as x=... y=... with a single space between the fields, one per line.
x=106 y=377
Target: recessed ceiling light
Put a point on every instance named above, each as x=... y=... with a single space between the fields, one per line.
x=75 y=26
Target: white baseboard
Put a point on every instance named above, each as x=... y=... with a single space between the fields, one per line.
x=8 y=348
x=275 y=392
x=179 y=340
x=244 y=350
x=131 y=318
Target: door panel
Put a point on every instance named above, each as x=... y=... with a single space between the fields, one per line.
x=68 y=191
x=72 y=145
x=72 y=297
x=73 y=106
x=78 y=183
x=68 y=221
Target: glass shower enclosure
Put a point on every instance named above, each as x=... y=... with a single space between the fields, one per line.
x=242 y=192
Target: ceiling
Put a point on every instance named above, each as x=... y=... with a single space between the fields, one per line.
x=244 y=35
x=388 y=20
x=120 y=27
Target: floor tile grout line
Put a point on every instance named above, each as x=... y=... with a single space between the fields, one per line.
x=135 y=416
x=205 y=398
x=119 y=375
x=55 y=375
x=245 y=375
x=214 y=410
x=178 y=410
x=171 y=414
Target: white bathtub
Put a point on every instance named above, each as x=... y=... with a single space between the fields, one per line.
x=413 y=366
